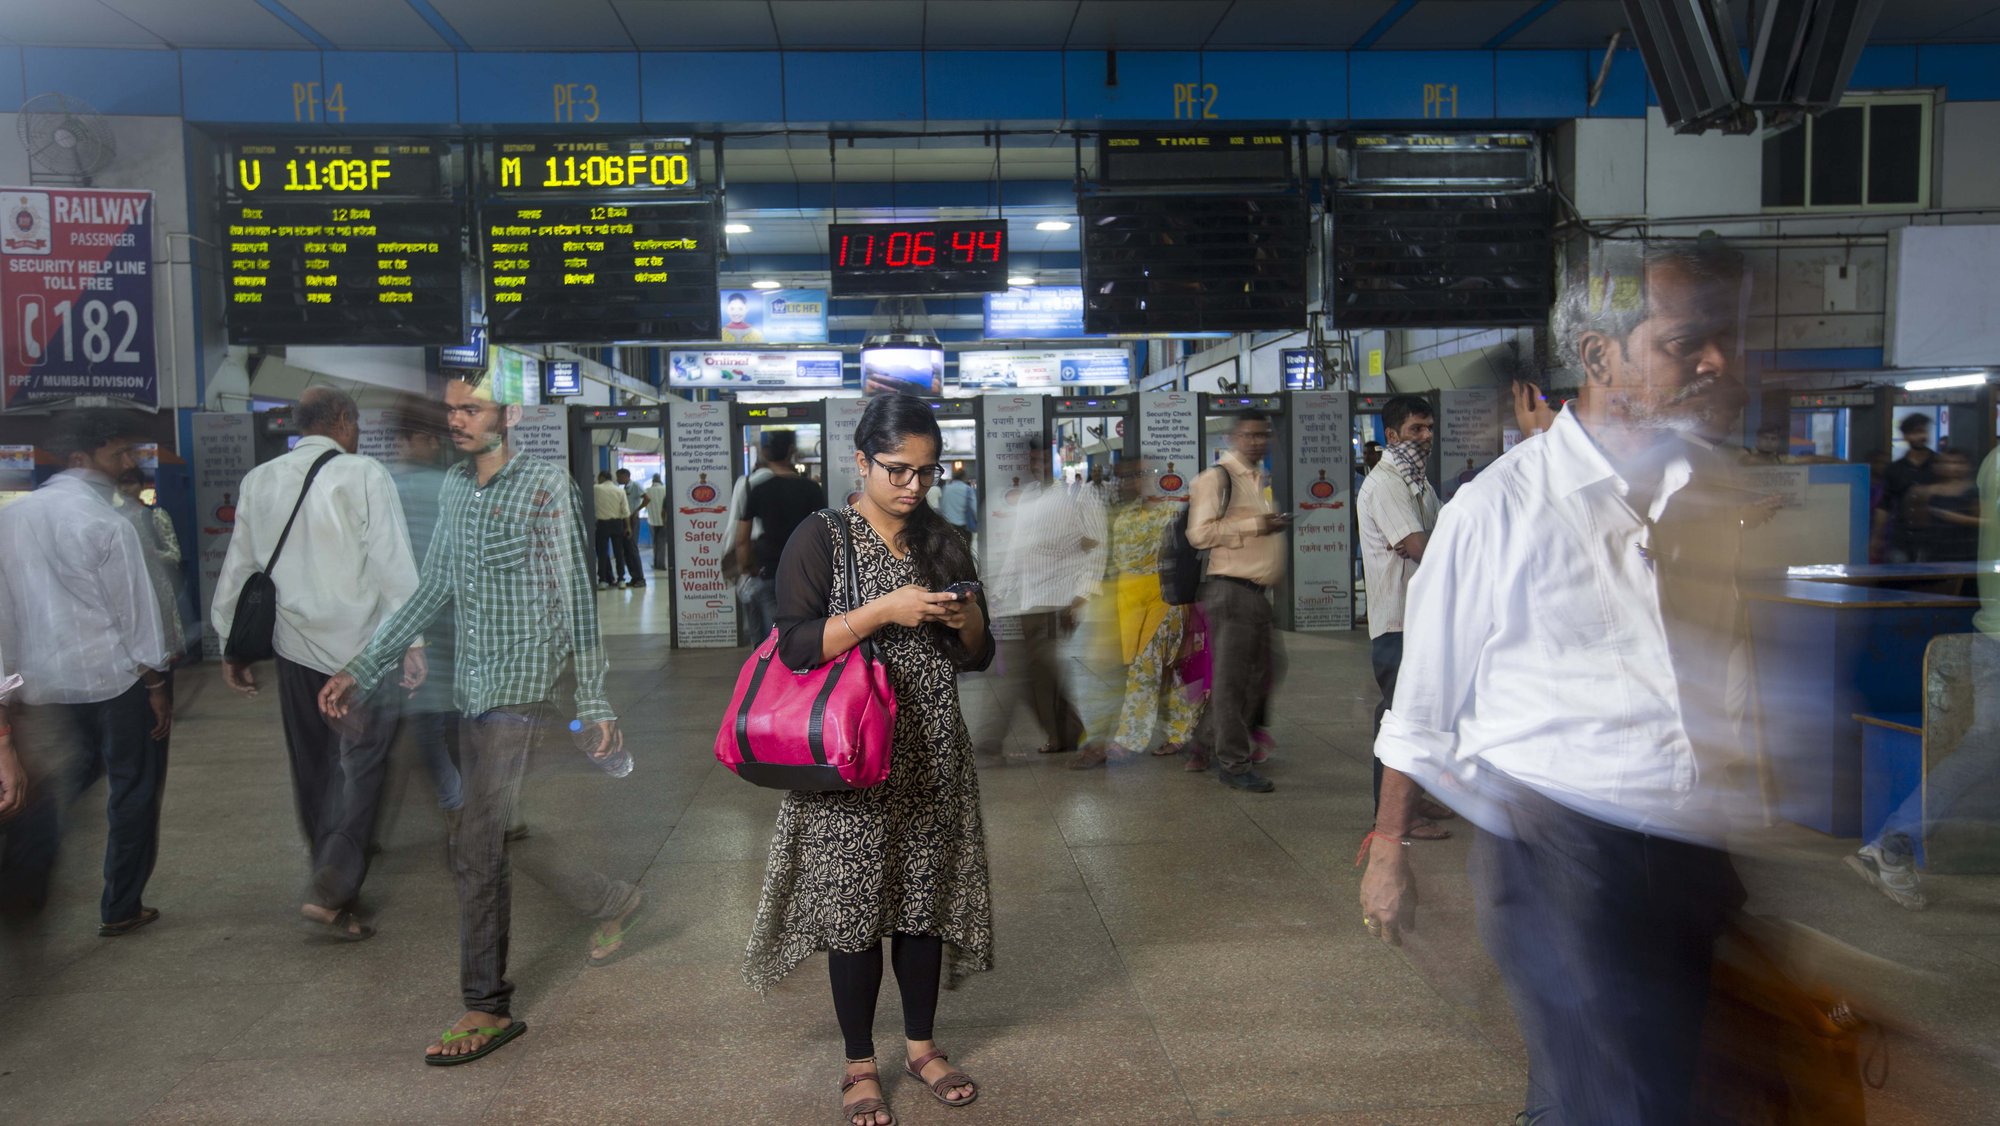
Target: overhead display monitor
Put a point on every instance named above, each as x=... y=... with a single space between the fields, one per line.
x=1032 y=370
x=909 y=368
x=917 y=259
x=1207 y=157
x=578 y=245
x=582 y=167
x=744 y=370
x=348 y=240
x=1171 y=264
x=1047 y=312
x=774 y=316
x=562 y=379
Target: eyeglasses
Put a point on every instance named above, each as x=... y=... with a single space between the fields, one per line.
x=899 y=475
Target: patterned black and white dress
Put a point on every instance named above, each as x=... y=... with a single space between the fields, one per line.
x=849 y=868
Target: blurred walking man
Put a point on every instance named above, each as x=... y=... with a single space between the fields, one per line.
x=1395 y=512
x=81 y=625
x=1052 y=568
x=345 y=567
x=510 y=556
x=1565 y=685
x=1245 y=541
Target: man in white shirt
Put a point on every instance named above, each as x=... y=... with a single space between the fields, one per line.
x=1395 y=512
x=1047 y=577
x=81 y=624
x=656 y=515
x=345 y=567
x=608 y=501
x=635 y=503
x=1565 y=685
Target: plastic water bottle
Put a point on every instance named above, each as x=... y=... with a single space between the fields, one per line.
x=586 y=739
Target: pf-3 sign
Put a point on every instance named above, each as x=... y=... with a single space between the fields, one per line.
x=76 y=295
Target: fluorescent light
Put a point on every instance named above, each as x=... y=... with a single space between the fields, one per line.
x=766 y=283
x=1941 y=382
x=1021 y=281
x=736 y=228
x=1053 y=225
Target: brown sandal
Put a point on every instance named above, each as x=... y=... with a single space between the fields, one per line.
x=1423 y=830
x=870 y=1107
x=945 y=1082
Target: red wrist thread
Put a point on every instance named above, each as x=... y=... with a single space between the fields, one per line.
x=1361 y=857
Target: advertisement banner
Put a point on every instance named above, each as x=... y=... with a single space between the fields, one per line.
x=736 y=371
x=1322 y=512
x=77 y=295
x=698 y=483
x=1072 y=367
x=1052 y=312
x=544 y=432
x=1170 y=441
x=843 y=484
x=1012 y=441
x=1468 y=435
x=774 y=316
x=224 y=450
x=17 y=469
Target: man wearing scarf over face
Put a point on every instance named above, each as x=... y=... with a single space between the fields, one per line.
x=1397 y=508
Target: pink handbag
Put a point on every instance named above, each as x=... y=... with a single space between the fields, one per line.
x=827 y=728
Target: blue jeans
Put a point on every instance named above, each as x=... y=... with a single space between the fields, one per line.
x=1386 y=654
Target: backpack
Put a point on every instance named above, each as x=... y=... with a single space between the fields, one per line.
x=1181 y=562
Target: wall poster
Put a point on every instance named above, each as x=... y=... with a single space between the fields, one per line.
x=224 y=450
x=698 y=436
x=1322 y=512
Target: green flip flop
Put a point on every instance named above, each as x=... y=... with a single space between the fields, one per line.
x=499 y=1036
x=605 y=935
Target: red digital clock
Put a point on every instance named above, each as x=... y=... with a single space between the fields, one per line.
x=917 y=259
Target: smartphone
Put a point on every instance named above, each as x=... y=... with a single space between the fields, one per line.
x=964 y=590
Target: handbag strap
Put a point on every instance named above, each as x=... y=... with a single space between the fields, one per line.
x=837 y=524
x=303 y=490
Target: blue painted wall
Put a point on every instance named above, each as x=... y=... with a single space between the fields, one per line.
x=815 y=88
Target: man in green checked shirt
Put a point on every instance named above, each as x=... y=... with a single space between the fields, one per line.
x=509 y=554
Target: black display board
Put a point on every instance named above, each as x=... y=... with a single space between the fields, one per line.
x=600 y=273
x=341 y=241
x=584 y=166
x=1194 y=263
x=917 y=259
x=1441 y=260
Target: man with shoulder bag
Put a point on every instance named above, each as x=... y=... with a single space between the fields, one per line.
x=321 y=548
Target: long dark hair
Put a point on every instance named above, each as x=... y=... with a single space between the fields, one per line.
x=938 y=549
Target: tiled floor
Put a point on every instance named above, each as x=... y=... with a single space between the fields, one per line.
x=1168 y=951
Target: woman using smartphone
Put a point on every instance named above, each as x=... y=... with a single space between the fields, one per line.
x=905 y=860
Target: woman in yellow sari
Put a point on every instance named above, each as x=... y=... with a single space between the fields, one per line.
x=1149 y=631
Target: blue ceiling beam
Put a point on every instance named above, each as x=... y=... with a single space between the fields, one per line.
x=439 y=24
x=1396 y=12
x=1521 y=23
x=293 y=20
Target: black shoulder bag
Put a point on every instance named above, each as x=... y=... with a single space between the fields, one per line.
x=256 y=619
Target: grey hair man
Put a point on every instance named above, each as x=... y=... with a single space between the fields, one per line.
x=345 y=567
x=1540 y=693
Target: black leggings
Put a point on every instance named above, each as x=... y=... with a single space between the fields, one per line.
x=857 y=981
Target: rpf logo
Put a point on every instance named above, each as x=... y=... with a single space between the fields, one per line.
x=27 y=230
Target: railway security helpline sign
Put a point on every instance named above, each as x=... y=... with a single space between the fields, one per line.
x=76 y=288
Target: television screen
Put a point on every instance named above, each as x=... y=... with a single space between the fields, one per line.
x=911 y=370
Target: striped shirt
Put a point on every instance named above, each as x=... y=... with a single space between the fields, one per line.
x=511 y=557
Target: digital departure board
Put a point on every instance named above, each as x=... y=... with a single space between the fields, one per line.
x=599 y=273
x=1206 y=157
x=1165 y=264
x=917 y=259
x=346 y=241
x=584 y=167
x=273 y=168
